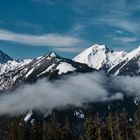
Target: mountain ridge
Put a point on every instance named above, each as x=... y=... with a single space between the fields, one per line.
x=95 y=58
x=103 y=58
x=131 y=60
x=50 y=66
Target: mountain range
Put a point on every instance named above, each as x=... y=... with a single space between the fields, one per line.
x=52 y=66
x=113 y=62
x=94 y=58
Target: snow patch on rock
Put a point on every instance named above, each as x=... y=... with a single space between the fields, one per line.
x=64 y=67
x=28 y=116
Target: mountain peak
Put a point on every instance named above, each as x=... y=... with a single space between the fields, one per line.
x=52 y=54
x=4 y=57
x=97 y=46
x=99 y=56
x=103 y=48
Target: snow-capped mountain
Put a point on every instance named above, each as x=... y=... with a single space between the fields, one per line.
x=4 y=57
x=100 y=57
x=129 y=65
x=51 y=66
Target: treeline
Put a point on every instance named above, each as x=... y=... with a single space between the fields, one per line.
x=117 y=126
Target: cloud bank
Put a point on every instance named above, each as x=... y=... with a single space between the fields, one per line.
x=127 y=84
x=72 y=90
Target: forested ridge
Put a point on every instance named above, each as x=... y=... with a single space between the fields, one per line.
x=116 y=126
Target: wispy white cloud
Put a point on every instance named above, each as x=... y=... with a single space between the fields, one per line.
x=119 y=31
x=77 y=29
x=117 y=14
x=120 y=23
x=126 y=39
x=52 y=39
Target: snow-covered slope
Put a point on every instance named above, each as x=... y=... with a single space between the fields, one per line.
x=8 y=64
x=129 y=65
x=13 y=65
x=4 y=57
x=100 y=57
x=50 y=66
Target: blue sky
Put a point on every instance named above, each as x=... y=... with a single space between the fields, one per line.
x=30 y=28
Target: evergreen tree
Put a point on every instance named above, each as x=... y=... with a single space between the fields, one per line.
x=90 y=128
x=44 y=131
x=136 y=125
x=66 y=131
x=23 y=131
x=12 y=130
x=35 y=132
x=109 y=127
x=117 y=131
x=124 y=126
x=97 y=123
x=51 y=129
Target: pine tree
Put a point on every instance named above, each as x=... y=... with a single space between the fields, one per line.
x=35 y=133
x=124 y=126
x=136 y=125
x=66 y=131
x=97 y=123
x=22 y=129
x=12 y=130
x=9 y=133
x=90 y=128
x=116 y=124
x=45 y=130
x=52 y=130
x=109 y=127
